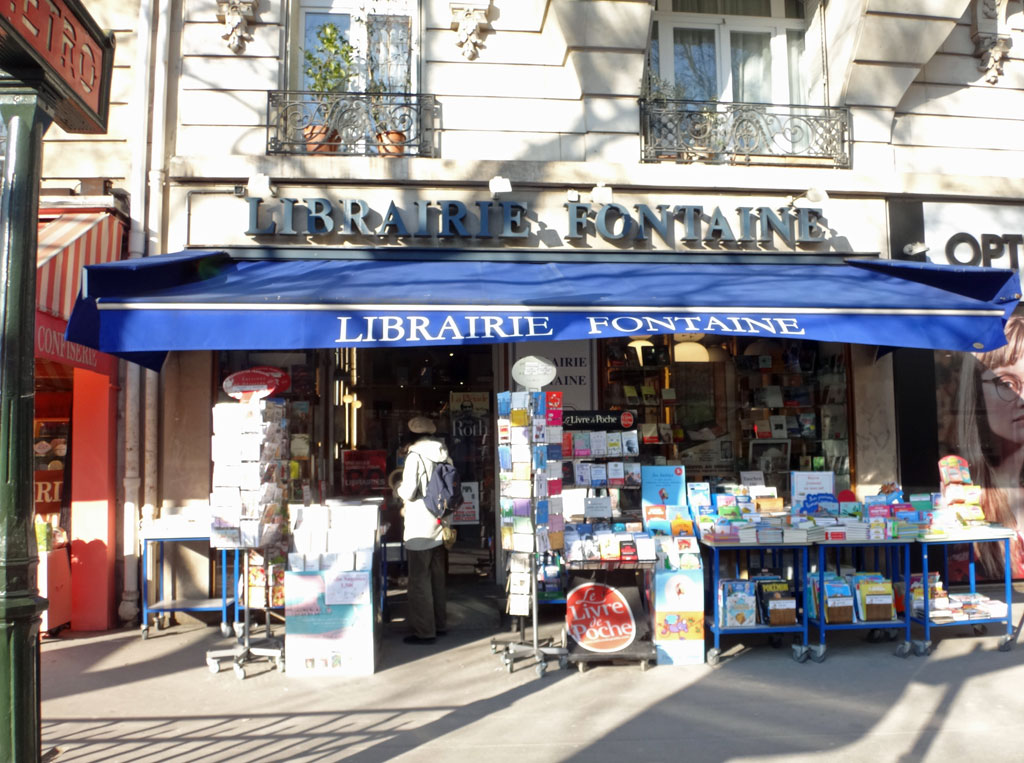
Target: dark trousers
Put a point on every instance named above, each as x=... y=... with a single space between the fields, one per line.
x=427 y=597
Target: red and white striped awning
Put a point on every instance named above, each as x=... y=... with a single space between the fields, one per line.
x=66 y=244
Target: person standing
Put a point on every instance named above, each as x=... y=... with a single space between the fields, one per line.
x=423 y=537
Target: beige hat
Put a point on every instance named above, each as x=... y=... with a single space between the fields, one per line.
x=422 y=425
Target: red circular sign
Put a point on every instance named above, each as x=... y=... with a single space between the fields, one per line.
x=626 y=419
x=251 y=384
x=598 y=618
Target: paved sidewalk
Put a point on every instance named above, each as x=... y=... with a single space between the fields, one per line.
x=114 y=697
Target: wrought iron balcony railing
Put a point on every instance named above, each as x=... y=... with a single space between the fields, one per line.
x=350 y=124
x=743 y=133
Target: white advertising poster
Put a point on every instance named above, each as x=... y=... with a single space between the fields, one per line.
x=348 y=588
x=576 y=364
x=469 y=512
x=803 y=484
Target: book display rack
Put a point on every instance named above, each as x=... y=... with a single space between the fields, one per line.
x=866 y=601
x=735 y=606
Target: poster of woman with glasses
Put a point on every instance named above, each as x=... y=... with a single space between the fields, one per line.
x=981 y=418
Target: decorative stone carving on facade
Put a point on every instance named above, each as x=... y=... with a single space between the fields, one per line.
x=235 y=15
x=991 y=37
x=469 y=20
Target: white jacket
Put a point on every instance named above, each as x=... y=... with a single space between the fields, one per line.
x=422 y=530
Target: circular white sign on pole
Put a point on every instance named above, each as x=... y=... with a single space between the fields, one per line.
x=534 y=372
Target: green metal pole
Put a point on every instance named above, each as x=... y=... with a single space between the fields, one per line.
x=20 y=603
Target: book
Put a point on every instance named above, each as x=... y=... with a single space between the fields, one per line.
x=613 y=443
x=630 y=443
x=598 y=475
x=776 y=601
x=631 y=396
x=649 y=434
x=616 y=474
x=648 y=395
x=737 y=603
x=599 y=444
x=580 y=444
x=631 y=476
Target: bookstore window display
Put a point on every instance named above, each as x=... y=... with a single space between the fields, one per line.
x=763 y=405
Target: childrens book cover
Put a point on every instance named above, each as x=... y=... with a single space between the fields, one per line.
x=737 y=603
x=553 y=417
x=554 y=400
x=776 y=602
x=504 y=404
x=663 y=485
x=698 y=494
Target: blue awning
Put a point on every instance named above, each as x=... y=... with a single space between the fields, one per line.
x=140 y=309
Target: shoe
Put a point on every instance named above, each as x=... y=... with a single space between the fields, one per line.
x=412 y=638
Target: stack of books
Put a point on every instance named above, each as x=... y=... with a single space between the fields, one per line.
x=804 y=533
x=855 y=530
x=748 y=534
x=767 y=535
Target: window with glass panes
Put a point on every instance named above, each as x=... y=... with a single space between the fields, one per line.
x=380 y=32
x=741 y=51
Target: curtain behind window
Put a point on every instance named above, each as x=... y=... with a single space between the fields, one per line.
x=751 y=67
x=693 y=53
x=389 y=54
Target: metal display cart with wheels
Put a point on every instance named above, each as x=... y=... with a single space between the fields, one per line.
x=166 y=605
x=247 y=649
x=897 y=557
x=801 y=651
x=980 y=625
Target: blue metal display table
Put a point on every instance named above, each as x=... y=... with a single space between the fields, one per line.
x=897 y=560
x=979 y=535
x=165 y=605
x=800 y=650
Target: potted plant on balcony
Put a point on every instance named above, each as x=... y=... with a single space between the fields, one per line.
x=386 y=115
x=328 y=68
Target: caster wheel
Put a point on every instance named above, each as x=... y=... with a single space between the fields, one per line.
x=1006 y=643
x=922 y=648
x=565 y=638
x=239 y=629
x=903 y=649
x=279 y=664
x=817 y=655
x=801 y=653
x=563 y=663
x=508 y=666
x=225 y=630
x=213 y=666
x=161 y=623
x=714 y=655
x=541 y=669
x=980 y=630
x=581 y=667
x=644 y=665
x=145 y=633
x=239 y=671
x=494 y=648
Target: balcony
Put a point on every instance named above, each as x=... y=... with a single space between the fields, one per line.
x=350 y=124
x=714 y=132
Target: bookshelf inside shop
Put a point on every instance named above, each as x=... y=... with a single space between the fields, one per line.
x=723 y=407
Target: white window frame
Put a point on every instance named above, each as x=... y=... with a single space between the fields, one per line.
x=777 y=25
x=355 y=9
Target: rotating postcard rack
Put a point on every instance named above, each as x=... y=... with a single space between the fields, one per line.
x=523 y=456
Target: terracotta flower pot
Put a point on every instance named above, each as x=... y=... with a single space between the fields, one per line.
x=320 y=139
x=391 y=143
